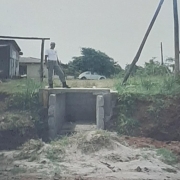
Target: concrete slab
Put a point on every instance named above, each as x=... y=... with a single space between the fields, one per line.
x=78 y=90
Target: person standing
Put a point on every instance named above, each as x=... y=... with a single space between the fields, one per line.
x=53 y=64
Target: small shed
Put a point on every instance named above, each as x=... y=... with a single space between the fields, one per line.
x=9 y=58
x=30 y=67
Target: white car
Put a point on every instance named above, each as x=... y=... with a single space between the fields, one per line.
x=90 y=75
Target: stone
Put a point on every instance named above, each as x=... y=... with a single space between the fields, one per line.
x=52 y=123
x=51 y=111
x=100 y=117
x=100 y=100
x=100 y=112
x=52 y=99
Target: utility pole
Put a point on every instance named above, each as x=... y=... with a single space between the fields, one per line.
x=42 y=58
x=176 y=37
x=136 y=58
x=162 y=58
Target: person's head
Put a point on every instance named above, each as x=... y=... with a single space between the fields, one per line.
x=52 y=45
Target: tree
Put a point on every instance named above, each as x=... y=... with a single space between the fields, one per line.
x=135 y=69
x=154 y=68
x=95 y=61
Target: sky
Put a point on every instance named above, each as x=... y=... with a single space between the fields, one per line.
x=115 y=27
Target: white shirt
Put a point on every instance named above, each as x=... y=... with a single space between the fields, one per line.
x=52 y=54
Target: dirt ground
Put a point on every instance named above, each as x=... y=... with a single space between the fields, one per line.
x=94 y=155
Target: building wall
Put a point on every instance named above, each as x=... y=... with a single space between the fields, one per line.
x=33 y=71
x=14 y=62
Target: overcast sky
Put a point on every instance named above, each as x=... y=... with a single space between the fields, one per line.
x=115 y=27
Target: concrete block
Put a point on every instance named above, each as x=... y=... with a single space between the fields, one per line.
x=52 y=99
x=44 y=98
x=52 y=123
x=100 y=112
x=107 y=104
x=100 y=124
x=60 y=110
x=100 y=100
x=100 y=117
x=51 y=111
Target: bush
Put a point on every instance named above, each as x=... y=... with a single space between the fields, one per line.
x=27 y=99
x=127 y=125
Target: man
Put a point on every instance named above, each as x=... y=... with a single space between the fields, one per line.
x=53 y=64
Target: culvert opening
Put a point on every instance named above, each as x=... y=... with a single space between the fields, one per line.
x=77 y=112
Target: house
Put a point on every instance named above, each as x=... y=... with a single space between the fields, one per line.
x=30 y=66
x=9 y=58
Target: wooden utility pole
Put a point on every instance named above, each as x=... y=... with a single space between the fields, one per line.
x=162 y=58
x=143 y=43
x=42 y=58
x=176 y=37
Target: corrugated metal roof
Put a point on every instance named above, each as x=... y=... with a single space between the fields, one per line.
x=29 y=60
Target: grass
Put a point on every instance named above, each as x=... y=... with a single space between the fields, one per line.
x=30 y=150
x=170 y=170
x=167 y=156
x=18 y=170
x=14 y=120
x=94 y=142
x=56 y=152
x=151 y=85
x=21 y=85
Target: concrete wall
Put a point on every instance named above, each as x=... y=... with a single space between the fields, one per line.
x=60 y=110
x=14 y=62
x=33 y=71
x=56 y=113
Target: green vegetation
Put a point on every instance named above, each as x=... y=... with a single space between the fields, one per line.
x=30 y=150
x=149 y=86
x=27 y=97
x=22 y=105
x=56 y=152
x=95 y=142
x=95 y=61
x=154 y=85
x=18 y=170
x=167 y=156
x=126 y=124
x=16 y=120
x=155 y=92
x=170 y=170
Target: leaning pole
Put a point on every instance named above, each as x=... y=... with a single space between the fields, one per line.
x=136 y=58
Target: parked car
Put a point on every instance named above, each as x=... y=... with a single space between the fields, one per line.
x=90 y=75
